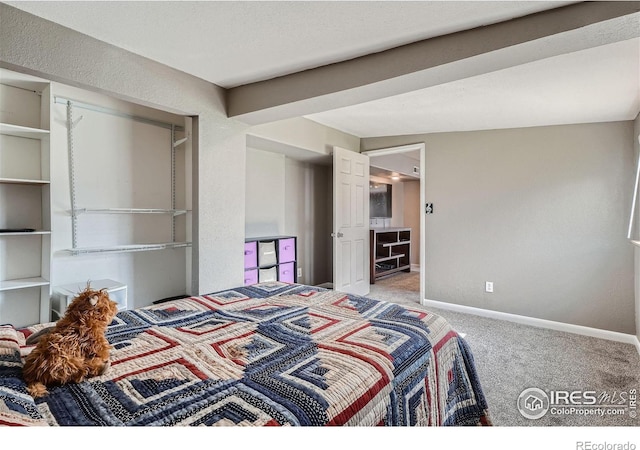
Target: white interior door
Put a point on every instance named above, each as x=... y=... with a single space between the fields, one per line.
x=350 y=222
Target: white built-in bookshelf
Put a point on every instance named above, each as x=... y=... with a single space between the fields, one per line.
x=25 y=199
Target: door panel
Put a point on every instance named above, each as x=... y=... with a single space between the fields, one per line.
x=360 y=263
x=359 y=206
x=350 y=221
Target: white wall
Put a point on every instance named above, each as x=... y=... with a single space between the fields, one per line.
x=308 y=215
x=310 y=137
x=398 y=162
x=397 y=204
x=411 y=214
x=542 y=212
x=265 y=190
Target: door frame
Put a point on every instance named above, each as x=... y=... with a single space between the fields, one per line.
x=403 y=149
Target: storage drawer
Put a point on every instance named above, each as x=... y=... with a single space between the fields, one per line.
x=250 y=255
x=250 y=277
x=287 y=250
x=270 y=274
x=286 y=272
x=267 y=254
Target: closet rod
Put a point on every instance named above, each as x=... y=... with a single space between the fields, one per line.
x=128 y=248
x=113 y=112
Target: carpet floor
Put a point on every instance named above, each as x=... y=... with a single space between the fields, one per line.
x=511 y=357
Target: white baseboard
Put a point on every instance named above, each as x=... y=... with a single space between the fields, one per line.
x=540 y=323
x=415 y=267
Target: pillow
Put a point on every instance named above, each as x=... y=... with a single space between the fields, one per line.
x=10 y=340
x=17 y=407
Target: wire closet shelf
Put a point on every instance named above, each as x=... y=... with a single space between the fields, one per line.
x=77 y=211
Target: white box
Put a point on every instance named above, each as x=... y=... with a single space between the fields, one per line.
x=268 y=275
x=267 y=254
x=63 y=295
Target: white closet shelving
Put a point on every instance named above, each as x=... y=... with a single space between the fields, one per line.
x=9 y=129
x=128 y=248
x=22 y=283
x=25 y=199
x=175 y=212
x=76 y=211
x=22 y=181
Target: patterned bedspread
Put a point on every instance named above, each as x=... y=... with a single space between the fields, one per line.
x=269 y=354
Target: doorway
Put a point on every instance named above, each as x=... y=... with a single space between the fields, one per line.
x=411 y=149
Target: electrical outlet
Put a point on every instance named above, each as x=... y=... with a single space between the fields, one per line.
x=488 y=286
x=299 y=272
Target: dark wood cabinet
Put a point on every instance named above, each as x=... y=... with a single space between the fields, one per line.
x=390 y=251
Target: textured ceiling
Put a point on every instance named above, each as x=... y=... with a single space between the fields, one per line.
x=600 y=84
x=231 y=43
x=236 y=42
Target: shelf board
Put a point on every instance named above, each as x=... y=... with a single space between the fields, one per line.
x=387 y=258
x=637 y=243
x=22 y=283
x=23 y=132
x=127 y=248
x=25 y=233
x=23 y=81
x=175 y=212
x=391 y=244
x=381 y=273
x=23 y=181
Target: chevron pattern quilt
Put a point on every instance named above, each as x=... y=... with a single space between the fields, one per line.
x=272 y=354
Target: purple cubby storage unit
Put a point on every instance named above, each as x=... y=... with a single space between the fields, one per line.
x=260 y=265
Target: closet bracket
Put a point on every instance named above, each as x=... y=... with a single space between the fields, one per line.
x=75 y=122
x=179 y=142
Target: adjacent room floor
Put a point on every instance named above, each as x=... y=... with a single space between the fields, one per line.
x=511 y=358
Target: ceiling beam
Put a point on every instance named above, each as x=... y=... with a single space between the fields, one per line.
x=436 y=61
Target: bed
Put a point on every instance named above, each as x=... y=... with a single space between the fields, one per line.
x=271 y=354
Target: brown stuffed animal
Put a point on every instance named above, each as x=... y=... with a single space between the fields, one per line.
x=75 y=348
